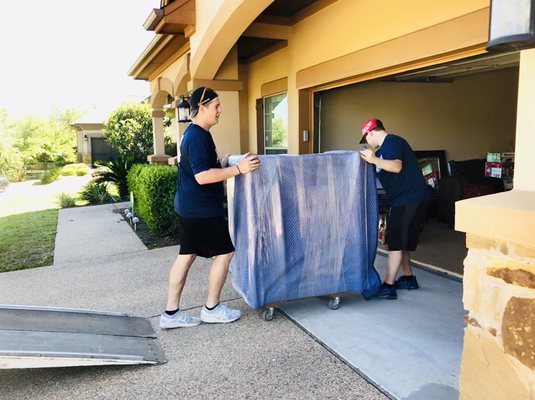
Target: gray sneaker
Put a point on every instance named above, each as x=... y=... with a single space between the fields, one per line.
x=220 y=314
x=178 y=320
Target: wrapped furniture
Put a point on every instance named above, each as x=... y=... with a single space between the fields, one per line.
x=303 y=226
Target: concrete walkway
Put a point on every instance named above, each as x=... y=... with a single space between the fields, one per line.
x=410 y=348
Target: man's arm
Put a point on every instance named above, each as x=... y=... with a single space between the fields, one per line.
x=247 y=164
x=388 y=165
x=214 y=175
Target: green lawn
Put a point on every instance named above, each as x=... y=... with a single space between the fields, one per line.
x=27 y=240
x=28 y=221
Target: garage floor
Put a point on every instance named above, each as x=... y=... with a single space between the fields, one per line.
x=410 y=347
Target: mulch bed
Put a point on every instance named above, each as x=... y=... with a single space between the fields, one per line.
x=150 y=239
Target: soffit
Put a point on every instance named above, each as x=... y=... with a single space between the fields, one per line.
x=446 y=72
x=158 y=52
x=175 y=16
x=282 y=10
x=280 y=13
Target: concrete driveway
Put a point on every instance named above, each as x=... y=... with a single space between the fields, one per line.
x=249 y=359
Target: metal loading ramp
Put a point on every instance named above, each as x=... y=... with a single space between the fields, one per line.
x=42 y=337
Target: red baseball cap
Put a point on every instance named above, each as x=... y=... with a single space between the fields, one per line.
x=366 y=127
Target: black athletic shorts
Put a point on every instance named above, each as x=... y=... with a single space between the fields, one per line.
x=205 y=237
x=403 y=226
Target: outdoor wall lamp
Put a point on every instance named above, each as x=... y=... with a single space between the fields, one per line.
x=85 y=138
x=184 y=109
x=512 y=25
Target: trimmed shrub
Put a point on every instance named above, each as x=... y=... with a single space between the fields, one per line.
x=50 y=176
x=154 y=192
x=79 y=169
x=132 y=176
x=65 y=200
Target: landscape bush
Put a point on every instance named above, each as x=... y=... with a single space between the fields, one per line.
x=154 y=188
x=50 y=176
x=132 y=176
x=115 y=172
x=96 y=193
x=79 y=169
x=65 y=200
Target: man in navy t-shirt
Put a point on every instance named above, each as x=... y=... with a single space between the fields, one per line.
x=199 y=204
x=404 y=183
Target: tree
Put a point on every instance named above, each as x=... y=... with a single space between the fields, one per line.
x=10 y=158
x=279 y=133
x=129 y=130
x=32 y=139
x=63 y=135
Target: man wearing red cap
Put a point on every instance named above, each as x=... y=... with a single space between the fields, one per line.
x=402 y=179
x=199 y=203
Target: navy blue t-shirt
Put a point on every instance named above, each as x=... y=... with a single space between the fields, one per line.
x=408 y=186
x=198 y=154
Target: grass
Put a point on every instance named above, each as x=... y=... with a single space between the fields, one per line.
x=27 y=240
x=28 y=221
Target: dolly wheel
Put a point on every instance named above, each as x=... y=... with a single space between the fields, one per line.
x=334 y=303
x=268 y=314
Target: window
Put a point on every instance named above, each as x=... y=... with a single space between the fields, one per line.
x=276 y=124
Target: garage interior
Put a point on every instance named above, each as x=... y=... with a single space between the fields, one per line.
x=452 y=114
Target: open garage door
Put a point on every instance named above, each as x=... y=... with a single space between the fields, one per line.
x=453 y=114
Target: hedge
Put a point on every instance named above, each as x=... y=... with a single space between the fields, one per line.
x=153 y=187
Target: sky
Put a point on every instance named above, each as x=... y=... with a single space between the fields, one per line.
x=71 y=54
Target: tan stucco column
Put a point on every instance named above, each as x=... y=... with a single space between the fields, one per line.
x=86 y=149
x=499 y=278
x=159 y=156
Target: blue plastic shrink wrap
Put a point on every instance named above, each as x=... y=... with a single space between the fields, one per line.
x=303 y=226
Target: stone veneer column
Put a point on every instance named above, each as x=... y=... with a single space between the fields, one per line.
x=499 y=344
x=159 y=156
x=499 y=277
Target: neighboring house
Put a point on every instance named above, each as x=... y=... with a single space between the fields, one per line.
x=300 y=76
x=91 y=146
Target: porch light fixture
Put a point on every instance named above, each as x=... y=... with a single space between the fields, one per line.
x=85 y=138
x=184 y=109
x=512 y=25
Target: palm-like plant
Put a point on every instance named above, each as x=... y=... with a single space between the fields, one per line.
x=115 y=172
x=96 y=193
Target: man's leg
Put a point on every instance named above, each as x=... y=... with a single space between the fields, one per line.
x=213 y=311
x=405 y=263
x=173 y=317
x=177 y=279
x=217 y=278
x=407 y=280
x=392 y=267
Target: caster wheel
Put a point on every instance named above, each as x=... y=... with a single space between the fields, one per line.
x=268 y=314
x=334 y=303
